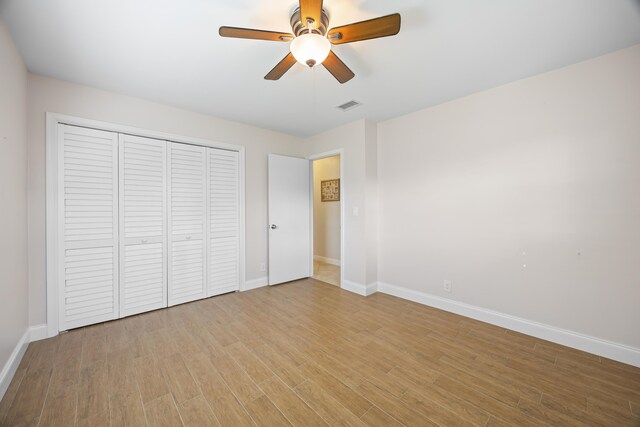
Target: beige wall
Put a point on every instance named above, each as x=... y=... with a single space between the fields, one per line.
x=542 y=173
x=372 y=201
x=13 y=197
x=49 y=95
x=326 y=215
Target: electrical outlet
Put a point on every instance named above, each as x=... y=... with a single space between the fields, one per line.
x=447 y=286
x=263 y=266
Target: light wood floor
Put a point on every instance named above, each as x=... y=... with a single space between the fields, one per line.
x=326 y=273
x=308 y=353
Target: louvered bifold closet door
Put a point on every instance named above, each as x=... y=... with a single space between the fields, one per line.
x=224 y=221
x=143 y=229
x=88 y=226
x=187 y=213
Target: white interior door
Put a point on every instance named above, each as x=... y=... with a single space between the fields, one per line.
x=187 y=219
x=224 y=221
x=88 y=226
x=143 y=230
x=289 y=219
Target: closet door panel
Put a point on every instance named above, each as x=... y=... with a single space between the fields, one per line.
x=143 y=230
x=224 y=221
x=187 y=218
x=88 y=226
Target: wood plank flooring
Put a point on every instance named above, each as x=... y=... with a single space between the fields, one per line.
x=306 y=354
x=326 y=273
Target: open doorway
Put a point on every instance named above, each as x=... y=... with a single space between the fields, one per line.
x=327 y=220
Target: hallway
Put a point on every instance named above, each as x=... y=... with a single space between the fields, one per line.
x=327 y=273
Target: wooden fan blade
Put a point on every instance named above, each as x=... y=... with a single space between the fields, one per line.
x=282 y=67
x=372 y=29
x=247 y=33
x=340 y=71
x=311 y=9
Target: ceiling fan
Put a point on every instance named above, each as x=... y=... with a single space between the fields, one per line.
x=311 y=39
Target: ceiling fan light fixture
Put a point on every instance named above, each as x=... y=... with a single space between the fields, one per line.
x=312 y=38
x=310 y=49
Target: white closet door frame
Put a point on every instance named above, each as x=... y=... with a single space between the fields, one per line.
x=53 y=235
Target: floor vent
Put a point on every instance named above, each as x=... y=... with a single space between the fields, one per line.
x=349 y=105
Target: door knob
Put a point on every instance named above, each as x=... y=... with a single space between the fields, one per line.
x=273 y=226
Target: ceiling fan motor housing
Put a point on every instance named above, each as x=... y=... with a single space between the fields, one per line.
x=300 y=27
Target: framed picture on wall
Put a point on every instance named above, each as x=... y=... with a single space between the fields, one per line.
x=330 y=190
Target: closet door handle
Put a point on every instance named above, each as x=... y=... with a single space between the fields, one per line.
x=188 y=237
x=144 y=240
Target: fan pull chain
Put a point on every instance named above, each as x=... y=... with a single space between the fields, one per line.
x=314 y=90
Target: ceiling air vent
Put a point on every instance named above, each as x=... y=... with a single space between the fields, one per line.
x=349 y=105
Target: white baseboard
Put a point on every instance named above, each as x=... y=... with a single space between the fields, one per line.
x=10 y=368
x=371 y=288
x=600 y=347
x=38 y=332
x=359 y=288
x=326 y=260
x=255 y=283
x=354 y=287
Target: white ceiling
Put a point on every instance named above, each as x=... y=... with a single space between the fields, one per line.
x=169 y=51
